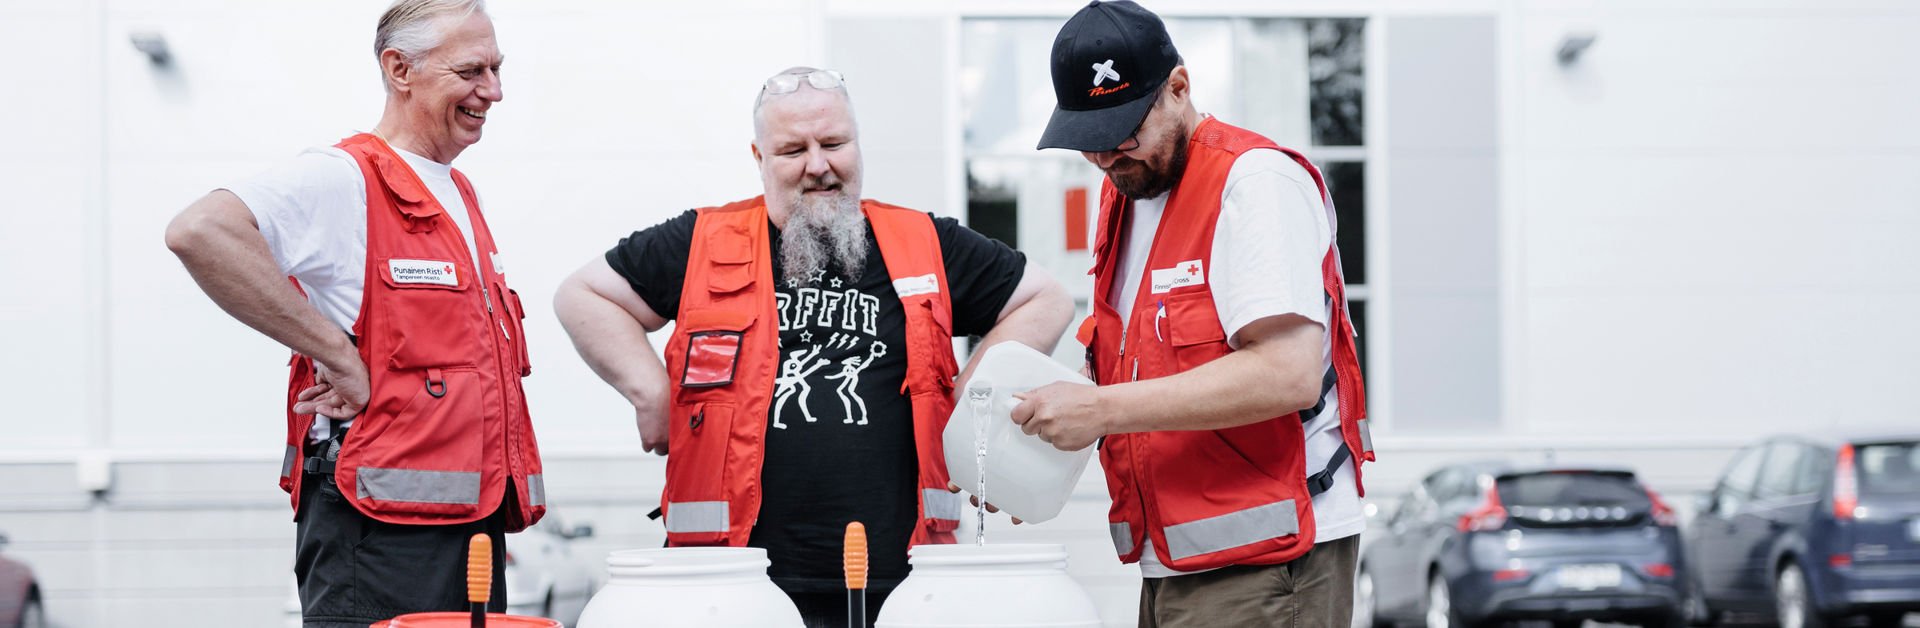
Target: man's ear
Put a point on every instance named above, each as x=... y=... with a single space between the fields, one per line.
x=1177 y=84
x=395 y=69
x=756 y=151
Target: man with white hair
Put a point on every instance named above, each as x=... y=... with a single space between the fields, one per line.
x=408 y=344
x=809 y=274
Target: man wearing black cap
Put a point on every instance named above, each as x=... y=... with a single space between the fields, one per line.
x=1230 y=414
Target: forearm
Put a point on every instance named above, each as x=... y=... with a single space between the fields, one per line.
x=613 y=344
x=1277 y=376
x=230 y=261
x=1038 y=321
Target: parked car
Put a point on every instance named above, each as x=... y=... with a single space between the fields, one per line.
x=544 y=576
x=20 y=602
x=1480 y=543
x=1810 y=530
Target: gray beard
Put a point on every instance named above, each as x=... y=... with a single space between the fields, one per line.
x=819 y=231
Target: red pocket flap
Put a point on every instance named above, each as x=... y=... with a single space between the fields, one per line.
x=1191 y=319
x=730 y=245
x=716 y=320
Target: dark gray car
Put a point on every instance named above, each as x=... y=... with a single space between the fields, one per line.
x=1811 y=530
x=1480 y=543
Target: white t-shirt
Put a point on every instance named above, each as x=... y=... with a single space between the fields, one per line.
x=1272 y=233
x=312 y=210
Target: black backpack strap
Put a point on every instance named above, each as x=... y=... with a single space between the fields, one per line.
x=1319 y=482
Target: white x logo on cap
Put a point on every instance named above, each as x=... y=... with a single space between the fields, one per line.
x=1104 y=71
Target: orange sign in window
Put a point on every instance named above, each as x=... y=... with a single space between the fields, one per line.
x=1076 y=214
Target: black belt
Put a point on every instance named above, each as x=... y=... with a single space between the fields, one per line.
x=326 y=453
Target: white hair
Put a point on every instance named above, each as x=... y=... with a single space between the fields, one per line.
x=414 y=27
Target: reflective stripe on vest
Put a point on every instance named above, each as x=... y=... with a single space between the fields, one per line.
x=1122 y=534
x=286 y=464
x=1231 y=530
x=536 y=490
x=941 y=504
x=418 y=486
x=1366 y=434
x=696 y=517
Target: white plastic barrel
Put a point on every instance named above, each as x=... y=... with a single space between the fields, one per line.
x=988 y=586
x=1026 y=477
x=690 y=587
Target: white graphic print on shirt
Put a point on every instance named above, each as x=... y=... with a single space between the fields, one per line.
x=833 y=320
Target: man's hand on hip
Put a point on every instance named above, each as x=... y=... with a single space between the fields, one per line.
x=338 y=392
x=654 y=430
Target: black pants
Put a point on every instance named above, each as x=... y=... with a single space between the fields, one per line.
x=354 y=570
x=829 y=610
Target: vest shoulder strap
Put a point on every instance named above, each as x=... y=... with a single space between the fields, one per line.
x=911 y=248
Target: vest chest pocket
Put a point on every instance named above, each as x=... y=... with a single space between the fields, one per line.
x=730 y=256
x=714 y=339
x=1192 y=327
x=433 y=317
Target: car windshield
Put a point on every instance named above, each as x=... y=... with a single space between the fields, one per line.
x=1572 y=488
x=1888 y=468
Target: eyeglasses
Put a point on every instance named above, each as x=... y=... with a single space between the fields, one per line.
x=1133 y=139
x=786 y=83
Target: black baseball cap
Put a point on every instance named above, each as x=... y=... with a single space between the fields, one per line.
x=1108 y=62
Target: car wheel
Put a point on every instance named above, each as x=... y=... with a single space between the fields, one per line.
x=1673 y=619
x=1887 y=620
x=1791 y=602
x=1366 y=609
x=33 y=615
x=1440 y=610
x=1695 y=608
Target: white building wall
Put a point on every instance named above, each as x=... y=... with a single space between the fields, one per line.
x=1703 y=235
x=1711 y=217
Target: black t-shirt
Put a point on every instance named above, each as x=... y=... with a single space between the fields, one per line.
x=840 y=433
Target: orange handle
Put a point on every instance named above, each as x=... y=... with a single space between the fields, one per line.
x=479 y=568
x=856 y=556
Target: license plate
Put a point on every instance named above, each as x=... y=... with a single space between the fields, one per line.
x=1588 y=577
x=1913 y=530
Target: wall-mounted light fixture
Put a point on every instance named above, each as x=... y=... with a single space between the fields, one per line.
x=154 y=45
x=1573 y=44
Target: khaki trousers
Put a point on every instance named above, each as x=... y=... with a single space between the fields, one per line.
x=1312 y=591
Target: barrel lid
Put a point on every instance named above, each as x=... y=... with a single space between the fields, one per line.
x=465 y=620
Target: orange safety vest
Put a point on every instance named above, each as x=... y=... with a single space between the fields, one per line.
x=1207 y=498
x=442 y=337
x=725 y=353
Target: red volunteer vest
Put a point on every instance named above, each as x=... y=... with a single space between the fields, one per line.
x=447 y=426
x=1207 y=498
x=724 y=354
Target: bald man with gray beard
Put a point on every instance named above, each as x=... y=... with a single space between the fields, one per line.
x=840 y=440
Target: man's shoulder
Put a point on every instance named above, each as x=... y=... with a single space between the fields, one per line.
x=1268 y=160
x=322 y=174
x=735 y=206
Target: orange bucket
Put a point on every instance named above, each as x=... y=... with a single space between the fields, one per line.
x=465 y=620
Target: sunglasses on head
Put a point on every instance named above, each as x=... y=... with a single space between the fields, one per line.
x=786 y=83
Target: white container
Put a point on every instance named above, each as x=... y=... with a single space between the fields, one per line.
x=988 y=586
x=690 y=587
x=1026 y=477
